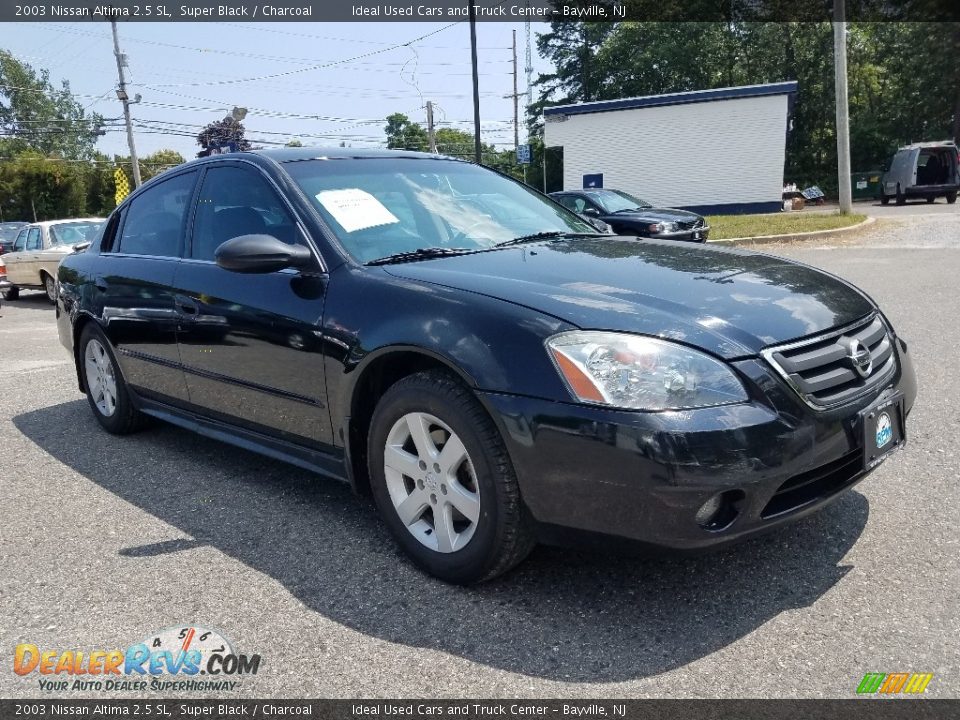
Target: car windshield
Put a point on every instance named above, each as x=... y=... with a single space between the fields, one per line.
x=73 y=233
x=379 y=207
x=617 y=201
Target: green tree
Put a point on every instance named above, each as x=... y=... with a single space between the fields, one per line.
x=403 y=134
x=158 y=162
x=36 y=116
x=43 y=188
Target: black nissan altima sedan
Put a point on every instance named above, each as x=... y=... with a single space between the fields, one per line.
x=477 y=358
x=627 y=214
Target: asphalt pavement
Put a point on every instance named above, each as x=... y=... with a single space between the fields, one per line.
x=104 y=540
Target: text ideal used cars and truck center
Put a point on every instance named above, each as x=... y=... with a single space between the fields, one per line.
x=477 y=357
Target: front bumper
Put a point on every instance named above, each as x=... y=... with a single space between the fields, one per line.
x=644 y=475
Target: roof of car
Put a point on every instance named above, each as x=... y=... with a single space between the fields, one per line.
x=48 y=223
x=292 y=154
x=936 y=143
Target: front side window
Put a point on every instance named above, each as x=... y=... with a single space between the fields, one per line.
x=33 y=239
x=21 y=242
x=235 y=201
x=613 y=201
x=378 y=207
x=572 y=202
x=155 y=218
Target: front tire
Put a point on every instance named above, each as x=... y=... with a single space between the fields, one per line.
x=11 y=293
x=951 y=197
x=107 y=392
x=443 y=482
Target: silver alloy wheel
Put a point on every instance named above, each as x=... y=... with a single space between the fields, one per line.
x=101 y=380
x=51 y=287
x=432 y=482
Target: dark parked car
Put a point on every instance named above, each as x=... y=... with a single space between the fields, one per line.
x=8 y=233
x=477 y=358
x=629 y=215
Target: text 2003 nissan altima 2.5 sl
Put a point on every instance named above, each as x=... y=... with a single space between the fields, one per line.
x=477 y=357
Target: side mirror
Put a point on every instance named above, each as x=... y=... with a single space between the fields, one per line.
x=591 y=212
x=260 y=254
x=81 y=246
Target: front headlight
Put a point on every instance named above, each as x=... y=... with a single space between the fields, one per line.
x=641 y=373
x=663 y=227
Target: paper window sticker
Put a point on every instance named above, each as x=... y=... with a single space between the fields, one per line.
x=355 y=209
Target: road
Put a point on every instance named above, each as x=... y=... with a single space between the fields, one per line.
x=104 y=540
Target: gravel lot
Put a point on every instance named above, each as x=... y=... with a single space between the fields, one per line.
x=104 y=540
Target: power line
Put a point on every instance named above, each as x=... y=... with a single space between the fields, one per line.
x=320 y=66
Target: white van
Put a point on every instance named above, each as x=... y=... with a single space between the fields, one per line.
x=923 y=170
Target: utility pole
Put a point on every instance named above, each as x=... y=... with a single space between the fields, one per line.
x=516 y=97
x=843 y=117
x=544 y=166
x=431 y=132
x=476 y=82
x=125 y=99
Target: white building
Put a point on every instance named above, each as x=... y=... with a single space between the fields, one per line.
x=712 y=151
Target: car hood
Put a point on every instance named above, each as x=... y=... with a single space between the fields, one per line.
x=651 y=215
x=729 y=302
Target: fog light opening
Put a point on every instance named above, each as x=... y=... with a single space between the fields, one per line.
x=719 y=512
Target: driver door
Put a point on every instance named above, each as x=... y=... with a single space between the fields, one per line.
x=250 y=343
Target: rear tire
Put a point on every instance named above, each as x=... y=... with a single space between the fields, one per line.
x=107 y=392
x=416 y=421
x=50 y=286
x=951 y=197
x=11 y=293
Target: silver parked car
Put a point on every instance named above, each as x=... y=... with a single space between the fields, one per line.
x=38 y=250
x=923 y=170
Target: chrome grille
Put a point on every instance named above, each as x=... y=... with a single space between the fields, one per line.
x=690 y=224
x=821 y=369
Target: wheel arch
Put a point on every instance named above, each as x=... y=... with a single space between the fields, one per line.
x=373 y=377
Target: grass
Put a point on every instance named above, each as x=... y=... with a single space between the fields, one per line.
x=738 y=226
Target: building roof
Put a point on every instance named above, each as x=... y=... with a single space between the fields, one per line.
x=683 y=98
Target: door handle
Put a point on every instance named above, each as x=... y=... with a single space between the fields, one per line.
x=185 y=305
x=100 y=283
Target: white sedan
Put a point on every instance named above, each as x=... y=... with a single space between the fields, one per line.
x=38 y=250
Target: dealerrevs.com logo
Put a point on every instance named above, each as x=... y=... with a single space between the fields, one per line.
x=190 y=658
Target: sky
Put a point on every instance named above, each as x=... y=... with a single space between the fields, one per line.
x=322 y=83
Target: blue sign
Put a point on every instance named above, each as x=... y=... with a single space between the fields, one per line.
x=523 y=154
x=593 y=181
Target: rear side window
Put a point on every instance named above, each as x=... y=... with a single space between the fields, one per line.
x=33 y=239
x=154 y=219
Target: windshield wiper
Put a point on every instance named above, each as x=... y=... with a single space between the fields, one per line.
x=423 y=253
x=546 y=235
x=633 y=209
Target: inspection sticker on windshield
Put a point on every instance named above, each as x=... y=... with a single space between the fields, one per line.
x=355 y=209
